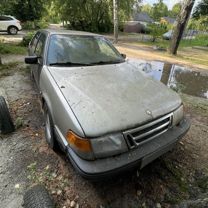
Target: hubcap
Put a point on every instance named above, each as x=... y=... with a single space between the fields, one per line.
x=13 y=30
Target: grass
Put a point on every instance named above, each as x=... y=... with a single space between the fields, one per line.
x=9 y=68
x=165 y=43
x=8 y=48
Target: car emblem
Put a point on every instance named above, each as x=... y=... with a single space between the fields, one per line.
x=148 y=112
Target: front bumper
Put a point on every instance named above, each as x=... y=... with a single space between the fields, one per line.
x=138 y=158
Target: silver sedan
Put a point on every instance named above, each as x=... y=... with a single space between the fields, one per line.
x=107 y=115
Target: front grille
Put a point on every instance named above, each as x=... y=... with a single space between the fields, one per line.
x=148 y=131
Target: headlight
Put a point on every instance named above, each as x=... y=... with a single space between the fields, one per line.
x=80 y=145
x=109 y=145
x=178 y=115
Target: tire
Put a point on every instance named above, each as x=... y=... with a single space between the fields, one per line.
x=37 y=197
x=6 y=123
x=49 y=129
x=12 y=30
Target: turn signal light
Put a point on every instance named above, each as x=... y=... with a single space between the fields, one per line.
x=79 y=143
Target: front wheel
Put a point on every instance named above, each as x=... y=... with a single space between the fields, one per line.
x=49 y=129
x=6 y=123
x=12 y=30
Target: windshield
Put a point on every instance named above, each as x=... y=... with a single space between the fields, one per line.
x=79 y=50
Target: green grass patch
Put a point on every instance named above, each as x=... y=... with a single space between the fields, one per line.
x=6 y=48
x=8 y=69
x=203 y=184
x=9 y=66
x=200 y=40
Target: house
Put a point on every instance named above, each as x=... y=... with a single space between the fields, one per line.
x=138 y=24
x=133 y=27
x=167 y=20
x=142 y=18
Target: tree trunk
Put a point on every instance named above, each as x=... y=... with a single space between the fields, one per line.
x=181 y=23
x=115 y=17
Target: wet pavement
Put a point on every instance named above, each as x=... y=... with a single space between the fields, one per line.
x=181 y=79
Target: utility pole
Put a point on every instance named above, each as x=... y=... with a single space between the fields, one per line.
x=180 y=26
x=115 y=20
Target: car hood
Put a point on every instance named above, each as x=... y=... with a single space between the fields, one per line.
x=111 y=98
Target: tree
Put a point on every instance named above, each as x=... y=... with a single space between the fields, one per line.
x=115 y=17
x=93 y=15
x=30 y=9
x=159 y=10
x=201 y=9
x=23 y=9
x=87 y=15
x=156 y=30
x=199 y=24
x=182 y=20
x=175 y=10
x=6 y=6
x=147 y=8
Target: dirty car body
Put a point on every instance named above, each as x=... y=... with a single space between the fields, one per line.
x=107 y=115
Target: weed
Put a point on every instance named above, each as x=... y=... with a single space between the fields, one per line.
x=6 y=48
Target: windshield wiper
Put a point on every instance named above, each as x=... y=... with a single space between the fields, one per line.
x=107 y=62
x=68 y=64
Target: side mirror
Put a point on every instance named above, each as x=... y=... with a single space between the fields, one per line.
x=123 y=55
x=31 y=60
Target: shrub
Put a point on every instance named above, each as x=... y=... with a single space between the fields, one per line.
x=27 y=38
x=6 y=48
x=202 y=39
x=31 y=25
x=41 y=24
x=156 y=30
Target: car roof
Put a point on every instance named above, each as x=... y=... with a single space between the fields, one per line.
x=6 y=16
x=67 y=32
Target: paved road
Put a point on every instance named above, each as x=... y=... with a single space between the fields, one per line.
x=12 y=38
x=20 y=35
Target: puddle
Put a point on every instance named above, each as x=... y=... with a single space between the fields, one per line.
x=181 y=79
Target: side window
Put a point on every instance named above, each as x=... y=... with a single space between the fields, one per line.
x=40 y=46
x=8 y=18
x=34 y=41
x=4 y=18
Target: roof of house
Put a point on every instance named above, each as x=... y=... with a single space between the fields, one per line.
x=142 y=17
x=132 y=23
x=169 y=19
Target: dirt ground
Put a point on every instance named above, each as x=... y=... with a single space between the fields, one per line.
x=177 y=179
x=188 y=56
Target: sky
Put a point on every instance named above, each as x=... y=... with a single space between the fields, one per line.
x=169 y=3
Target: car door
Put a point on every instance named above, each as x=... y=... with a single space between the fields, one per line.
x=39 y=52
x=4 y=22
x=1 y=23
x=31 y=51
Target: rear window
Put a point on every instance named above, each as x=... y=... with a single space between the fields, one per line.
x=5 y=18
